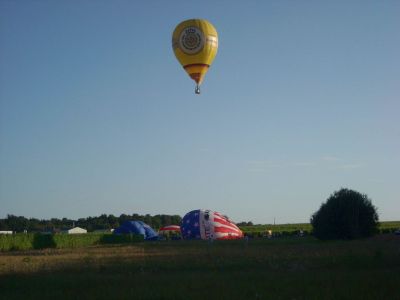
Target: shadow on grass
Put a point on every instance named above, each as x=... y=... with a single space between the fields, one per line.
x=193 y=275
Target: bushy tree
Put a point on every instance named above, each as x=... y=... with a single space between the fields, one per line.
x=346 y=214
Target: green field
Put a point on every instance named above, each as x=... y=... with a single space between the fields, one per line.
x=289 y=229
x=391 y=225
x=22 y=241
x=284 y=268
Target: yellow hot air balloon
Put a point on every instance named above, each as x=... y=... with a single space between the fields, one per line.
x=195 y=44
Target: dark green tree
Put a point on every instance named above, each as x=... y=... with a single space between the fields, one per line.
x=102 y=222
x=112 y=221
x=17 y=223
x=346 y=214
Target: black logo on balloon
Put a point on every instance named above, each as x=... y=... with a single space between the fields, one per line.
x=191 y=40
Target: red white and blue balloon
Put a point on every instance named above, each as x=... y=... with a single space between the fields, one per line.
x=170 y=228
x=208 y=225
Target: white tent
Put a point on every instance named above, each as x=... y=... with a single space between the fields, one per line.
x=76 y=230
x=6 y=232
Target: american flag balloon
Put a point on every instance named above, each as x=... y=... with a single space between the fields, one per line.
x=207 y=224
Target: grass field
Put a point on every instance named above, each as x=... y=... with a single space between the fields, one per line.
x=285 y=268
x=22 y=241
x=385 y=227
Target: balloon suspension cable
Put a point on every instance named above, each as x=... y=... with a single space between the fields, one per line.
x=197 y=90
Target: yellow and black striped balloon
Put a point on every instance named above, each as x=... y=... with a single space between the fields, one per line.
x=195 y=44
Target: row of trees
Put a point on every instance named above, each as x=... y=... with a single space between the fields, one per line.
x=103 y=222
x=346 y=214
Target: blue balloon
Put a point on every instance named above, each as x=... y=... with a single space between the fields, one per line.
x=137 y=227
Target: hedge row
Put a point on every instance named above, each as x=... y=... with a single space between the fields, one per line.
x=22 y=241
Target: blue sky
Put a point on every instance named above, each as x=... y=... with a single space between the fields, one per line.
x=97 y=116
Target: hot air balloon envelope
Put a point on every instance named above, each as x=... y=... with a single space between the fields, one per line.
x=137 y=227
x=195 y=44
x=207 y=224
x=171 y=228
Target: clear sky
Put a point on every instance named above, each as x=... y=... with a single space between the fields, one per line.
x=97 y=116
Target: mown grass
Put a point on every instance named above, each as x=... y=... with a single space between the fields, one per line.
x=285 y=268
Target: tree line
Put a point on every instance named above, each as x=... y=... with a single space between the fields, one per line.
x=102 y=222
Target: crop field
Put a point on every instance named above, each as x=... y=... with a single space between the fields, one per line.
x=384 y=227
x=23 y=241
x=284 y=268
